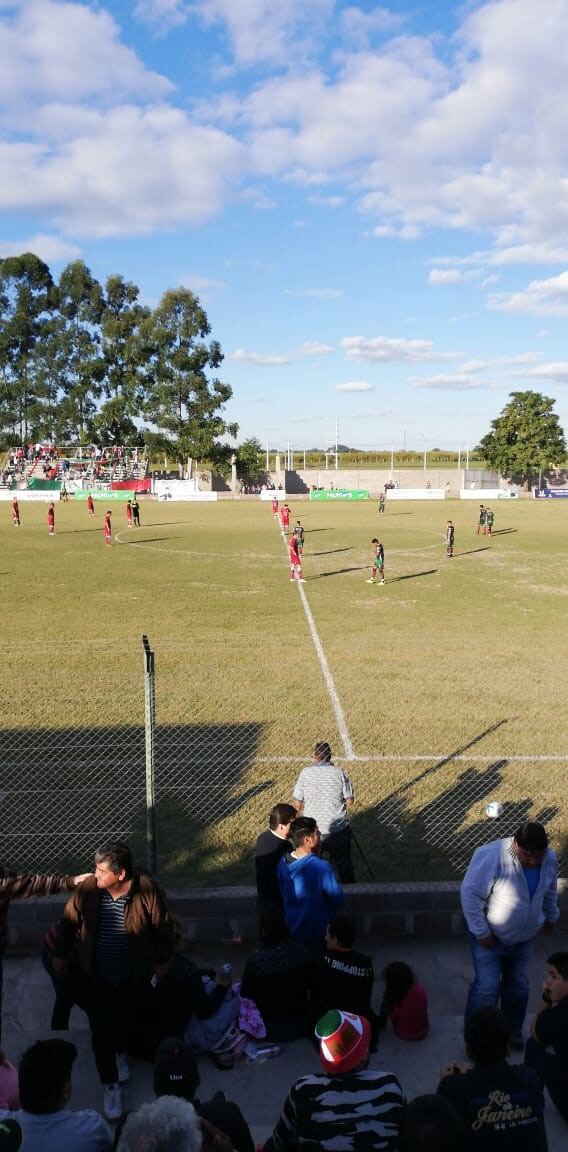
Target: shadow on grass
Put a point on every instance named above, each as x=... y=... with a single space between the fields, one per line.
x=339 y=572
x=332 y=552
x=471 y=552
x=504 y=531
x=151 y=540
x=412 y=576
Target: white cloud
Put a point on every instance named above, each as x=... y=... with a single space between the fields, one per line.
x=107 y=181
x=56 y=51
x=557 y=372
x=446 y=276
x=314 y=348
x=327 y=201
x=457 y=382
x=162 y=14
x=354 y=386
x=540 y=298
x=197 y=283
x=50 y=249
x=474 y=366
x=261 y=31
x=243 y=357
x=360 y=27
x=381 y=349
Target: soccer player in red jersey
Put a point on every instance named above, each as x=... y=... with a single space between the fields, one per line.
x=129 y=513
x=51 y=520
x=15 y=512
x=275 y=506
x=295 y=560
x=285 y=518
x=108 y=529
x=90 y=505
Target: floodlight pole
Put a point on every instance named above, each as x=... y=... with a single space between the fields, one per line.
x=149 y=731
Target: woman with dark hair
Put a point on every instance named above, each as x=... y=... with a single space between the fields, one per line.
x=278 y=977
x=405 y=1002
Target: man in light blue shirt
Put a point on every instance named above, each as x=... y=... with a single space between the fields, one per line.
x=45 y=1088
x=508 y=895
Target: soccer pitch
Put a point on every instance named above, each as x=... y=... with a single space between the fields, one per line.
x=438 y=692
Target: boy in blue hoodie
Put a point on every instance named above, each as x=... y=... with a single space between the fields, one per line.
x=311 y=892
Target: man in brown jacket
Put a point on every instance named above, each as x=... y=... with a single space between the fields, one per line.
x=19 y=887
x=121 y=935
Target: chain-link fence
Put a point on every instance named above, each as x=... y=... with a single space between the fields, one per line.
x=192 y=797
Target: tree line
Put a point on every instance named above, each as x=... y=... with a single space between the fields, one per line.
x=82 y=362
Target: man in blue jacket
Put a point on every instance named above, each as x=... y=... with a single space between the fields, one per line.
x=311 y=893
x=508 y=895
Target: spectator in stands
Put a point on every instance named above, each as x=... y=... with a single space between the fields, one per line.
x=168 y=1123
x=325 y=792
x=311 y=894
x=14 y=887
x=345 y=976
x=176 y=1074
x=347 y=1105
x=278 y=977
x=547 y=1046
x=431 y=1124
x=508 y=894
x=405 y=1002
x=45 y=1089
x=126 y=936
x=270 y=846
x=501 y=1104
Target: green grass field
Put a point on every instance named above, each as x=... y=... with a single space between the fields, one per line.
x=450 y=678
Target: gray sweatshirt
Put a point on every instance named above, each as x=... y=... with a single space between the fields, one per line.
x=495 y=896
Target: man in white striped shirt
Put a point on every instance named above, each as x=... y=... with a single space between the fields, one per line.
x=325 y=793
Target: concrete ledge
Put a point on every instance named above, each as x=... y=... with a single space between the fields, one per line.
x=219 y=915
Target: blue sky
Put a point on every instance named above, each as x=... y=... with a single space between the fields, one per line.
x=370 y=200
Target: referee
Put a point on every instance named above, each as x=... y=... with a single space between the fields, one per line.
x=325 y=793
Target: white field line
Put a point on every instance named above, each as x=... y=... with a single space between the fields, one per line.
x=326 y=673
x=434 y=756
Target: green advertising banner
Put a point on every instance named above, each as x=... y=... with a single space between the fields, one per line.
x=339 y=494
x=97 y=494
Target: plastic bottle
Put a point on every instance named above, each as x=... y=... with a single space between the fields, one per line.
x=259 y=1055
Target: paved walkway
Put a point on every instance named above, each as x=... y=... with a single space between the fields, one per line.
x=442 y=965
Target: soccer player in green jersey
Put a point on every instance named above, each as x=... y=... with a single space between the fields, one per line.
x=378 y=562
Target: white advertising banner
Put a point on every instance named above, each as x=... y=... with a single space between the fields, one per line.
x=481 y=494
x=270 y=493
x=25 y=494
x=416 y=494
x=180 y=490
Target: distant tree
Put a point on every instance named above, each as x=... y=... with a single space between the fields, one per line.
x=123 y=354
x=525 y=438
x=250 y=459
x=26 y=301
x=80 y=301
x=182 y=401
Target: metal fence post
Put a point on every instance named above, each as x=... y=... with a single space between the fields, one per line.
x=149 y=730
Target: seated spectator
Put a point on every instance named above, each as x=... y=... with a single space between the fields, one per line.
x=176 y=1074
x=501 y=1104
x=431 y=1124
x=547 y=1046
x=45 y=1089
x=345 y=976
x=9 y=1091
x=347 y=1106
x=311 y=893
x=168 y=1123
x=405 y=1002
x=278 y=978
x=270 y=846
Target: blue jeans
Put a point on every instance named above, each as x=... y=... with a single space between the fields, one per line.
x=501 y=980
